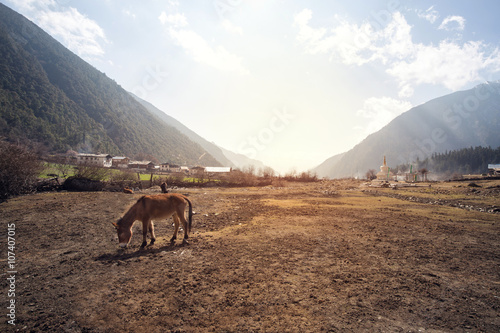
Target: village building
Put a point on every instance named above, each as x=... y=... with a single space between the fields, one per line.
x=164 y=167
x=120 y=162
x=218 y=170
x=174 y=168
x=494 y=169
x=412 y=176
x=142 y=165
x=101 y=160
x=197 y=170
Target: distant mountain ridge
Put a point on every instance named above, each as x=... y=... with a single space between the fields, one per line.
x=458 y=120
x=224 y=156
x=50 y=95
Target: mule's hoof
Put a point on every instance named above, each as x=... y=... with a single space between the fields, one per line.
x=143 y=245
x=185 y=242
x=152 y=242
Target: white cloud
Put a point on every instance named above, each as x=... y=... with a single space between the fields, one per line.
x=74 y=30
x=354 y=44
x=453 y=23
x=380 y=111
x=127 y=12
x=430 y=14
x=450 y=64
x=78 y=33
x=198 y=48
x=231 y=28
x=31 y=5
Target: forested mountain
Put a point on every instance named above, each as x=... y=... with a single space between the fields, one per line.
x=455 y=121
x=472 y=160
x=50 y=95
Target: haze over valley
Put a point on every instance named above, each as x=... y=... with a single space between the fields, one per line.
x=308 y=82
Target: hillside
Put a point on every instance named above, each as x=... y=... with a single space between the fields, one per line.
x=50 y=95
x=241 y=161
x=211 y=148
x=224 y=156
x=458 y=120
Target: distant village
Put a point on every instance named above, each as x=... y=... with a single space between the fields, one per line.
x=122 y=162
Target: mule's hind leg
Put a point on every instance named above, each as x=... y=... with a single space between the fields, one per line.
x=152 y=232
x=185 y=226
x=176 y=227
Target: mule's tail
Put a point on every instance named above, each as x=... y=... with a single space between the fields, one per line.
x=190 y=214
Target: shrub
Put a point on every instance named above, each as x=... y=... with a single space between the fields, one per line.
x=92 y=172
x=123 y=175
x=371 y=174
x=19 y=168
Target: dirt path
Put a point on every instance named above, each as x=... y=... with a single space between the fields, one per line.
x=313 y=258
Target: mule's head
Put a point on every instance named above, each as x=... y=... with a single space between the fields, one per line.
x=124 y=234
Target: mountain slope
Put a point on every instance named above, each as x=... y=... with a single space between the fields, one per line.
x=458 y=120
x=211 y=148
x=49 y=95
x=224 y=156
x=241 y=161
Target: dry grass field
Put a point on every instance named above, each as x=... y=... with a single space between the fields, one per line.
x=331 y=256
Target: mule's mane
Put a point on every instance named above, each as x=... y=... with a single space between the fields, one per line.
x=130 y=215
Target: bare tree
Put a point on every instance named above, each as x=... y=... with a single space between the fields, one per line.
x=371 y=174
x=424 y=173
x=267 y=172
x=19 y=169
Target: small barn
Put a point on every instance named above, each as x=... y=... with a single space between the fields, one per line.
x=120 y=162
x=142 y=165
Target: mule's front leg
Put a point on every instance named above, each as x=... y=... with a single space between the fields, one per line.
x=152 y=232
x=145 y=225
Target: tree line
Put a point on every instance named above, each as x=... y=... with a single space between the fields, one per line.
x=472 y=160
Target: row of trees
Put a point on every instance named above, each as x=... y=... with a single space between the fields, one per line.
x=472 y=160
x=465 y=161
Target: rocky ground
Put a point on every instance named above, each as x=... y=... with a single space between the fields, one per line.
x=334 y=256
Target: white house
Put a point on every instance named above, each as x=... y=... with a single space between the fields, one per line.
x=165 y=167
x=102 y=160
x=218 y=169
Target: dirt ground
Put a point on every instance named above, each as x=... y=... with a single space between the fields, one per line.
x=331 y=256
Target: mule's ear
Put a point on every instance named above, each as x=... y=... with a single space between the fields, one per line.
x=115 y=225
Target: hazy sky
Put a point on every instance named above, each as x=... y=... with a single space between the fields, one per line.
x=290 y=83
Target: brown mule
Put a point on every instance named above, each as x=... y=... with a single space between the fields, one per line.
x=149 y=207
